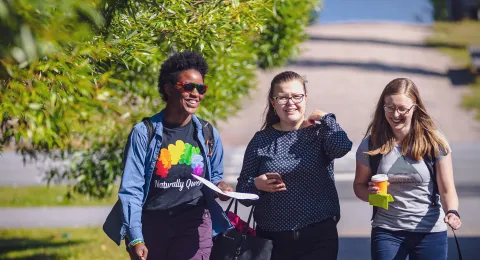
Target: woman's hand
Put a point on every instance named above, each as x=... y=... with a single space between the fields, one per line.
x=316 y=115
x=372 y=188
x=268 y=185
x=453 y=221
x=224 y=187
x=138 y=252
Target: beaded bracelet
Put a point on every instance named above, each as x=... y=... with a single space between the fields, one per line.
x=135 y=242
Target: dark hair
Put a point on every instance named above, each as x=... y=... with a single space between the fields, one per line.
x=176 y=64
x=271 y=117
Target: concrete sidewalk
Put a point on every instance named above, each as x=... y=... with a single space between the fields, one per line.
x=355 y=221
x=348 y=65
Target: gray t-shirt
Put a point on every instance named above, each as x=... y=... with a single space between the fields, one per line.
x=411 y=188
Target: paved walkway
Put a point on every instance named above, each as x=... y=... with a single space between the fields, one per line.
x=348 y=65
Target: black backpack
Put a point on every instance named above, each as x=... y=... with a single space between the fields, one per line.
x=207 y=135
x=374 y=161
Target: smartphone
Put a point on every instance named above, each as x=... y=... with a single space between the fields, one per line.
x=276 y=176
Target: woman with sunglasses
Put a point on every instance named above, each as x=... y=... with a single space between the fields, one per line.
x=289 y=164
x=407 y=146
x=164 y=208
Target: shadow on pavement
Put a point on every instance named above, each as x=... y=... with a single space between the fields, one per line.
x=461 y=77
x=370 y=66
x=468 y=190
x=385 y=42
x=18 y=245
x=358 y=248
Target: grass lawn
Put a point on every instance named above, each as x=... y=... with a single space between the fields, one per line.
x=453 y=39
x=36 y=196
x=58 y=243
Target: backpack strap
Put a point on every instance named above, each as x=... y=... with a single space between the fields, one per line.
x=207 y=130
x=374 y=161
x=150 y=131
x=430 y=162
x=148 y=123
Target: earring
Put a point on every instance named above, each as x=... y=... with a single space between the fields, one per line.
x=275 y=111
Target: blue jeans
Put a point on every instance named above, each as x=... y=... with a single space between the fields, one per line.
x=397 y=245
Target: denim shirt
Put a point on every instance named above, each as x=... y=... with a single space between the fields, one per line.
x=125 y=219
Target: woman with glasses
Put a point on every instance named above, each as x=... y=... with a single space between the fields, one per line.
x=289 y=164
x=163 y=208
x=403 y=142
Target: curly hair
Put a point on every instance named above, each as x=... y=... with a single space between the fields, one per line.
x=176 y=64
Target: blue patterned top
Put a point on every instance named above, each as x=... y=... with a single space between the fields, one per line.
x=304 y=159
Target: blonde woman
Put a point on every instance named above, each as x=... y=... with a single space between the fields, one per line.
x=407 y=146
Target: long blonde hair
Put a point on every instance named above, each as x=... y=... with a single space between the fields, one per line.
x=424 y=137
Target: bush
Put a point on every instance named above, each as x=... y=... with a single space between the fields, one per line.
x=440 y=10
x=76 y=75
x=284 y=31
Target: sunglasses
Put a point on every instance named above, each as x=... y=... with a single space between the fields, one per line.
x=189 y=87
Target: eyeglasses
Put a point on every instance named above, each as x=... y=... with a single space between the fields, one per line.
x=401 y=110
x=284 y=100
x=189 y=87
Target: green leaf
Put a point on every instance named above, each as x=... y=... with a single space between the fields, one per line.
x=35 y=106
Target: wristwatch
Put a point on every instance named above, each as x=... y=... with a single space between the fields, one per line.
x=453 y=212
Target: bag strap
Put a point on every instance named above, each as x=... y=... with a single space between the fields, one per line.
x=148 y=123
x=150 y=132
x=458 y=245
x=430 y=162
x=207 y=130
x=250 y=216
x=374 y=161
x=230 y=205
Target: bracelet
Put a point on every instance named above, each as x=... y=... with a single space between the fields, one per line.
x=453 y=212
x=135 y=242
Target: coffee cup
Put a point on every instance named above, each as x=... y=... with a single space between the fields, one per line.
x=381 y=181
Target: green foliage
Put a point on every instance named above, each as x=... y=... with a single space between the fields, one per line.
x=472 y=100
x=46 y=72
x=86 y=243
x=76 y=75
x=284 y=31
x=440 y=11
x=49 y=196
x=453 y=39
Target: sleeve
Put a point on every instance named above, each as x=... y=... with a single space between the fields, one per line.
x=443 y=151
x=361 y=155
x=216 y=160
x=133 y=179
x=249 y=171
x=335 y=141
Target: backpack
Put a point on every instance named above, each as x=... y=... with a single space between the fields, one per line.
x=207 y=135
x=374 y=161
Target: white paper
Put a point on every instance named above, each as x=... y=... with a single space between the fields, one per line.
x=231 y=194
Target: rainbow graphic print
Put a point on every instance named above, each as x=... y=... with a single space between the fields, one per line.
x=179 y=153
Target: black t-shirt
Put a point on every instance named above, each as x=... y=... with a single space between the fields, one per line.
x=172 y=182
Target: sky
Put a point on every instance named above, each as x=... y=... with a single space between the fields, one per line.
x=409 y=11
